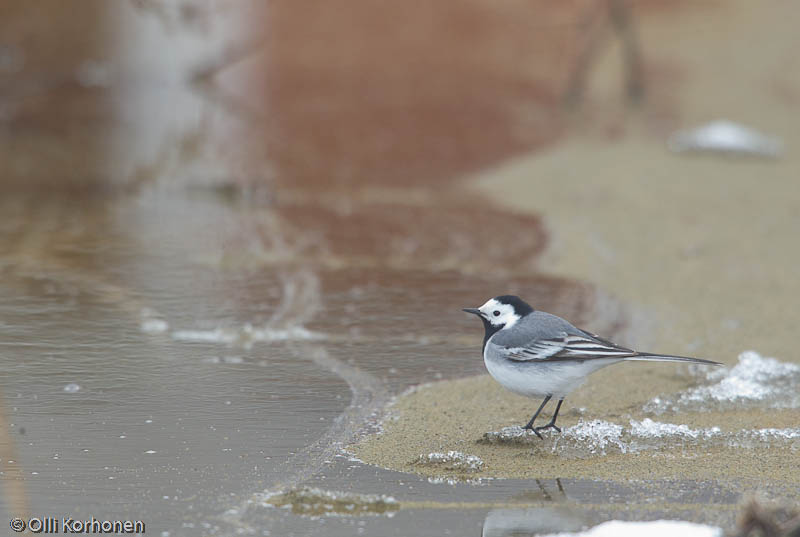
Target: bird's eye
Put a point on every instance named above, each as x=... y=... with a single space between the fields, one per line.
x=496 y=313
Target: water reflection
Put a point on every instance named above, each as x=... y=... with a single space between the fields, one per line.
x=518 y=522
x=545 y=492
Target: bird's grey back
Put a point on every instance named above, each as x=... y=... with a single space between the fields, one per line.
x=534 y=326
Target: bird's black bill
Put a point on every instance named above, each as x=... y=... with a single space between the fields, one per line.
x=474 y=311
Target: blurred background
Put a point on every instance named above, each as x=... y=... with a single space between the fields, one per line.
x=228 y=223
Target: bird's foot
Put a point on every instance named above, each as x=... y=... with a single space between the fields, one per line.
x=548 y=426
x=530 y=427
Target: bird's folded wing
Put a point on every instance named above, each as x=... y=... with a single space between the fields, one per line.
x=567 y=347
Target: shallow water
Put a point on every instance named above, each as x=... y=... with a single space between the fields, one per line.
x=147 y=380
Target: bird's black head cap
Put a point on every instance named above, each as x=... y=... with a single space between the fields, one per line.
x=521 y=307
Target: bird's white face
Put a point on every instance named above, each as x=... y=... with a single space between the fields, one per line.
x=499 y=314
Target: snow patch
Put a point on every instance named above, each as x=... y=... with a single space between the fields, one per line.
x=755 y=382
x=655 y=528
x=452 y=460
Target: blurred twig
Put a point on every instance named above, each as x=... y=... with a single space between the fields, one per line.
x=14 y=494
x=620 y=18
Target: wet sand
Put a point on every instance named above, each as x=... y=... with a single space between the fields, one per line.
x=701 y=249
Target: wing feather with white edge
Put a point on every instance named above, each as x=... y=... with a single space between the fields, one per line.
x=568 y=347
x=586 y=347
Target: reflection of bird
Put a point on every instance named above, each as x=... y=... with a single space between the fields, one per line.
x=537 y=354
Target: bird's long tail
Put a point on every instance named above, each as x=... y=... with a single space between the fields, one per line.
x=648 y=357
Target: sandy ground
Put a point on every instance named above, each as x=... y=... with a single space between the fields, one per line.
x=450 y=408
x=702 y=248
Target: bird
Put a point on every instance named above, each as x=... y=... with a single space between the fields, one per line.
x=538 y=354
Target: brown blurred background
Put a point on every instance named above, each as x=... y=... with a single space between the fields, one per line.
x=109 y=94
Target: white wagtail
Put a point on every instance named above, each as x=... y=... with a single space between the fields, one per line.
x=537 y=354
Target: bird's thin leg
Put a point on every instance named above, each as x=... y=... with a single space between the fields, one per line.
x=552 y=424
x=530 y=423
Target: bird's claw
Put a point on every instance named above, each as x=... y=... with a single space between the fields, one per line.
x=543 y=427
x=530 y=427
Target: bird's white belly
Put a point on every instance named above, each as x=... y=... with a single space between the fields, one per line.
x=538 y=379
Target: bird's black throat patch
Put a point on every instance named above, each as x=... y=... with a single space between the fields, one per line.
x=490 y=330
